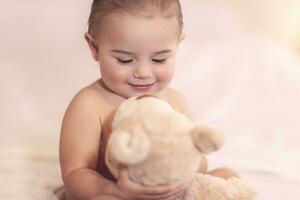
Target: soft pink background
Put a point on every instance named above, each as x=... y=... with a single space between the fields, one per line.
x=238 y=68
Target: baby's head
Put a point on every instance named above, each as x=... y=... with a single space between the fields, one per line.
x=135 y=43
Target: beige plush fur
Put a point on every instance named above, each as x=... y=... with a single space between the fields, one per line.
x=161 y=146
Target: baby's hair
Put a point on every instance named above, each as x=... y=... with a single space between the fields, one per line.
x=166 y=8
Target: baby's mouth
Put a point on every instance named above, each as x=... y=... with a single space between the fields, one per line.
x=142 y=87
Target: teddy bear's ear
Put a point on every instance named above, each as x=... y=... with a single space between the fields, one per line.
x=207 y=138
x=128 y=148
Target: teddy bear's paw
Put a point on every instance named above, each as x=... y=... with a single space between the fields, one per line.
x=206 y=187
x=244 y=191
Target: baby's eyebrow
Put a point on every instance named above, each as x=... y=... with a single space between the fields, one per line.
x=121 y=51
x=163 y=51
x=131 y=53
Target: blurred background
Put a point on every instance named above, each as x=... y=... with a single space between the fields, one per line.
x=239 y=68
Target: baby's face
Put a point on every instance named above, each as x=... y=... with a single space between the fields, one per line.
x=136 y=54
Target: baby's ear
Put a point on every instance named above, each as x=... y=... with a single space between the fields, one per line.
x=207 y=138
x=92 y=45
x=182 y=37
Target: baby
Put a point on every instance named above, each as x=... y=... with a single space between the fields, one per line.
x=135 y=44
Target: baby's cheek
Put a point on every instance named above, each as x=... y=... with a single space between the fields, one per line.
x=165 y=73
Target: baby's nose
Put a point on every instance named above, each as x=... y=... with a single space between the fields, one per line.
x=142 y=72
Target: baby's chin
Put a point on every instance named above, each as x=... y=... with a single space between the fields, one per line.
x=132 y=92
x=135 y=94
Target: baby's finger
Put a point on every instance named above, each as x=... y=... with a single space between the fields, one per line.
x=163 y=197
x=175 y=196
x=157 y=190
x=123 y=173
x=178 y=191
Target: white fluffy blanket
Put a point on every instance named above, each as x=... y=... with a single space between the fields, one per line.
x=29 y=170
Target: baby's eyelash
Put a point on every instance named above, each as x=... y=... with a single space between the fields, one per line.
x=160 y=61
x=128 y=61
x=124 y=61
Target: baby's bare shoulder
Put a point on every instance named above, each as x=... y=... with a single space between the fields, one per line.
x=173 y=93
x=174 y=97
x=83 y=109
x=177 y=100
x=90 y=94
x=88 y=98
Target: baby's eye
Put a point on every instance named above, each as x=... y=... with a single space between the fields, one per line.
x=121 y=61
x=159 y=61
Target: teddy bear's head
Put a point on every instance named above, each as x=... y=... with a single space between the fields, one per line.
x=160 y=145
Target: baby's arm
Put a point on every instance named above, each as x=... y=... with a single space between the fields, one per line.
x=79 y=147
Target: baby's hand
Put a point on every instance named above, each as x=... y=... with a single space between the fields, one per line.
x=129 y=190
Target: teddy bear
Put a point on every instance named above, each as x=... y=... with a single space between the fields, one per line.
x=161 y=146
